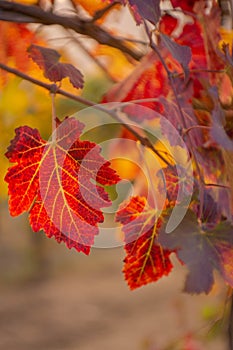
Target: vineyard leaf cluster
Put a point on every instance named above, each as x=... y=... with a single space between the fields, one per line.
x=61 y=182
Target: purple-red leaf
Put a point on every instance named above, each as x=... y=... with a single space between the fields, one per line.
x=48 y=61
x=149 y=10
x=181 y=53
x=202 y=252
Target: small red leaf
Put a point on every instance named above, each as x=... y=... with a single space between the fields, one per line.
x=54 y=182
x=146 y=261
x=48 y=61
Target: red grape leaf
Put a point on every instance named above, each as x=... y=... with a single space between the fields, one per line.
x=184 y=5
x=172 y=113
x=178 y=183
x=202 y=36
x=48 y=61
x=148 y=80
x=146 y=261
x=54 y=182
x=202 y=252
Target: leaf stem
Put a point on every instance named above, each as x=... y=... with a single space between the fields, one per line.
x=217 y=185
x=54 y=117
x=196 y=127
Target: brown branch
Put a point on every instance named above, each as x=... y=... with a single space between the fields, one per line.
x=17 y=12
x=54 y=89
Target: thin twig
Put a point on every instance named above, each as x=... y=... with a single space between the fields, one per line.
x=217 y=185
x=196 y=127
x=54 y=117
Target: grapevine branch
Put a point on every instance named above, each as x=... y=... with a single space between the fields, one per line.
x=170 y=78
x=54 y=89
x=15 y=12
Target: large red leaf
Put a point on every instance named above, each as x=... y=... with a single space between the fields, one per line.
x=146 y=261
x=201 y=35
x=54 y=182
